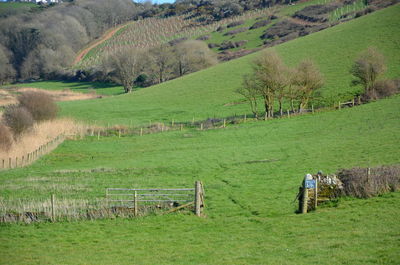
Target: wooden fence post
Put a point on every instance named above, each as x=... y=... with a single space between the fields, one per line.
x=245 y=117
x=197 y=194
x=201 y=126
x=224 y=123
x=9 y=162
x=340 y=106
x=288 y=113
x=98 y=135
x=312 y=108
x=53 y=212
x=316 y=194
x=141 y=131
x=304 y=205
x=3 y=164
x=181 y=127
x=16 y=162
x=135 y=203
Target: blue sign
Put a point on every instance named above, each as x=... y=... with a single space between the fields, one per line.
x=311 y=184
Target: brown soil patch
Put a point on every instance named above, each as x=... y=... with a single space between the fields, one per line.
x=9 y=96
x=103 y=38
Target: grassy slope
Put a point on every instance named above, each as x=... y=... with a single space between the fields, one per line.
x=249 y=205
x=204 y=94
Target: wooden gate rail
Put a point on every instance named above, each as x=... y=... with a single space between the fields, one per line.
x=189 y=196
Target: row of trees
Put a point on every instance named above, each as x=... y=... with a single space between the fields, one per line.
x=273 y=81
x=130 y=67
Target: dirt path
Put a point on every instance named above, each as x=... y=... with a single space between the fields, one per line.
x=103 y=38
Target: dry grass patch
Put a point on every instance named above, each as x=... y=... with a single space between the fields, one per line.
x=41 y=134
x=9 y=96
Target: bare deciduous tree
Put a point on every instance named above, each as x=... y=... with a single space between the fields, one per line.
x=270 y=76
x=192 y=56
x=126 y=66
x=163 y=61
x=307 y=79
x=249 y=90
x=367 y=69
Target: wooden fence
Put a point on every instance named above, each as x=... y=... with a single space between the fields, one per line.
x=29 y=158
x=171 y=198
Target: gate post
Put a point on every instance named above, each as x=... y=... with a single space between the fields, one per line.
x=197 y=198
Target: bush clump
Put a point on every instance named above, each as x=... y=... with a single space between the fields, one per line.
x=365 y=183
x=235 y=24
x=6 y=138
x=18 y=119
x=39 y=104
x=236 y=31
x=260 y=24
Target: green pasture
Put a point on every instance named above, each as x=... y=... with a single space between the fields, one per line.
x=210 y=92
x=251 y=173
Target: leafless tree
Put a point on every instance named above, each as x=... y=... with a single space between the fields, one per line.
x=126 y=66
x=249 y=90
x=163 y=61
x=192 y=56
x=367 y=69
x=270 y=77
x=307 y=79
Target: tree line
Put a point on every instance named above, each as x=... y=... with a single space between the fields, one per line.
x=272 y=81
x=132 y=67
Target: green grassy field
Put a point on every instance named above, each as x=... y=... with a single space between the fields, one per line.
x=210 y=93
x=250 y=209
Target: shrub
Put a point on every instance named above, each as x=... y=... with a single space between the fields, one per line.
x=204 y=37
x=235 y=24
x=236 y=31
x=18 y=119
x=39 y=104
x=5 y=138
x=260 y=24
x=385 y=88
x=359 y=183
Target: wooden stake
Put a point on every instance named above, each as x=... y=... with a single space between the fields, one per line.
x=3 y=164
x=16 y=162
x=181 y=127
x=201 y=126
x=135 y=203
x=305 y=199
x=245 y=117
x=141 y=131
x=197 y=201
x=288 y=113
x=53 y=212
x=119 y=133
x=316 y=194
x=340 y=106
x=172 y=123
x=9 y=162
x=98 y=135
x=312 y=109
x=224 y=123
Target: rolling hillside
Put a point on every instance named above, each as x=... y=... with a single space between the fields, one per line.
x=210 y=92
